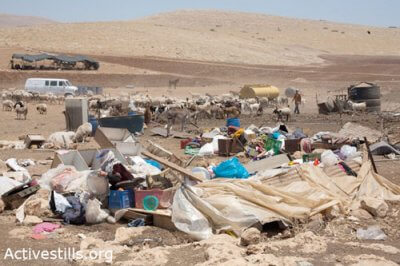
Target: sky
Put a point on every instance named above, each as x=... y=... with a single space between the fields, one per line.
x=367 y=12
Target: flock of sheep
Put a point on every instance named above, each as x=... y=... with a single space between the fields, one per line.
x=18 y=100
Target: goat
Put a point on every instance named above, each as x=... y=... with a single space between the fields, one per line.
x=8 y=105
x=282 y=112
x=358 y=107
x=42 y=108
x=21 y=109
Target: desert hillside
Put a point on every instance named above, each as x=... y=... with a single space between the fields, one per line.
x=210 y=36
x=7 y=20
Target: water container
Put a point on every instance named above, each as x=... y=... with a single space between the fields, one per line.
x=131 y=113
x=366 y=92
x=94 y=123
x=233 y=122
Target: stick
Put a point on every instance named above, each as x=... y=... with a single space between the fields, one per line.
x=172 y=166
x=370 y=154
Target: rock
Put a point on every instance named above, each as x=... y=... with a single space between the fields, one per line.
x=32 y=220
x=2 y=206
x=3 y=167
x=371 y=233
x=361 y=214
x=123 y=235
x=250 y=236
x=376 y=207
x=316 y=223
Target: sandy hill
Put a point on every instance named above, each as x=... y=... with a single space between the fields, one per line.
x=210 y=36
x=7 y=20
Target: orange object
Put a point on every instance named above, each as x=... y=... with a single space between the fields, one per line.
x=316 y=162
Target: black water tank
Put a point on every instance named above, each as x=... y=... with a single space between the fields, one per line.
x=366 y=92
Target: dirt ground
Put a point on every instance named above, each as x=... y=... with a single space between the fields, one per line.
x=150 y=75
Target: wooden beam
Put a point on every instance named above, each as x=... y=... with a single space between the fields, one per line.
x=173 y=166
x=370 y=154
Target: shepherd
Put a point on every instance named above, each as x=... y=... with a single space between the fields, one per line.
x=297 y=102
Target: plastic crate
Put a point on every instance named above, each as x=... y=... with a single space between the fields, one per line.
x=120 y=199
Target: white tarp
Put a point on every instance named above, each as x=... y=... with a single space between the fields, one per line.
x=231 y=204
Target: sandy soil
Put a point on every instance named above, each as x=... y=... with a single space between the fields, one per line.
x=214 y=52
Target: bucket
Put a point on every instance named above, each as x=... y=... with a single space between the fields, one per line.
x=233 y=122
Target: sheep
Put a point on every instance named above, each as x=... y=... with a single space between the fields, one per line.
x=358 y=107
x=59 y=140
x=42 y=108
x=21 y=109
x=8 y=105
x=83 y=132
x=231 y=111
x=282 y=112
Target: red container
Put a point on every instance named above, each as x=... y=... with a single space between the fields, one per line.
x=185 y=142
x=163 y=196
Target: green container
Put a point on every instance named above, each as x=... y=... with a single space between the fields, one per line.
x=310 y=157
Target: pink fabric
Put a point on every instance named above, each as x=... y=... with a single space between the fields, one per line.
x=45 y=227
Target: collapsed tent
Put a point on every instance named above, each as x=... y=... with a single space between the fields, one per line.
x=60 y=61
x=299 y=193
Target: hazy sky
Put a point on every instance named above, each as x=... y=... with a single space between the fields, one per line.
x=368 y=12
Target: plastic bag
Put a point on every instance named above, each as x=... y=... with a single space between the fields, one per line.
x=94 y=214
x=328 y=158
x=187 y=218
x=231 y=169
x=58 y=178
x=207 y=149
x=371 y=233
x=348 y=151
x=273 y=144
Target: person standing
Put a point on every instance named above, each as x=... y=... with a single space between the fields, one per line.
x=297 y=102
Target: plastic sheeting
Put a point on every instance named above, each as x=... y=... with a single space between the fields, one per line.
x=230 y=204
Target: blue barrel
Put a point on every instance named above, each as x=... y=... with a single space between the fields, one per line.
x=94 y=123
x=131 y=113
x=233 y=122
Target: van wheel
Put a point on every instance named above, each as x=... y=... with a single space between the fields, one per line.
x=68 y=95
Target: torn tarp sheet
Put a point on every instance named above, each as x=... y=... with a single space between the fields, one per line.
x=230 y=204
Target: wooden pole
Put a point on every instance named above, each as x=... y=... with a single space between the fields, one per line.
x=370 y=154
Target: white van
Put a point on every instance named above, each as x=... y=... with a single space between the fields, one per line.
x=55 y=86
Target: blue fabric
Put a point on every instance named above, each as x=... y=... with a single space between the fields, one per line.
x=231 y=169
x=154 y=163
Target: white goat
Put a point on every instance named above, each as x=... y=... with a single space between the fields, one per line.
x=358 y=107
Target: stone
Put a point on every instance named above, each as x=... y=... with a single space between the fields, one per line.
x=123 y=235
x=2 y=206
x=376 y=207
x=250 y=236
x=3 y=167
x=32 y=220
x=361 y=214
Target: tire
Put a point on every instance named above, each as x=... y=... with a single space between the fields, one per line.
x=373 y=102
x=374 y=109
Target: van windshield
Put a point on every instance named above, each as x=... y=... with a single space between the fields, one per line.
x=68 y=83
